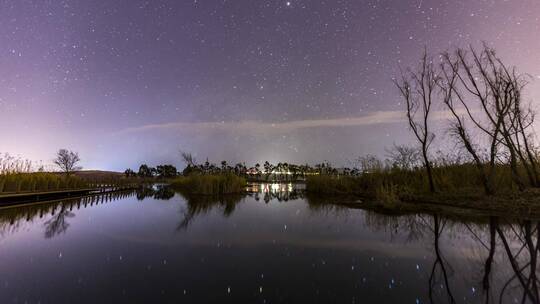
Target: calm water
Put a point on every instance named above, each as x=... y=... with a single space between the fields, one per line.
x=271 y=246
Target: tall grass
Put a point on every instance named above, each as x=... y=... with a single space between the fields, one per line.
x=11 y=164
x=327 y=184
x=394 y=184
x=210 y=184
x=38 y=182
x=16 y=176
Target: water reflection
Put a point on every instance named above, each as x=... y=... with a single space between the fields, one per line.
x=12 y=218
x=272 y=233
x=282 y=192
x=160 y=191
x=58 y=223
x=197 y=205
x=508 y=246
x=59 y=211
x=520 y=243
x=441 y=267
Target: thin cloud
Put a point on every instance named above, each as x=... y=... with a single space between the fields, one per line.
x=374 y=118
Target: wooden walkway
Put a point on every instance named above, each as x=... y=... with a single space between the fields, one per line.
x=27 y=197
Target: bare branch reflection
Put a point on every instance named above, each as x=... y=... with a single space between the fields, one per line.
x=58 y=224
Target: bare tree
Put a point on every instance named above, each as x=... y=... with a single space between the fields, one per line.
x=67 y=161
x=404 y=157
x=451 y=69
x=369 y=163
x=188 y=158
x=519 y=122
x=418 y=88
x=480 y=90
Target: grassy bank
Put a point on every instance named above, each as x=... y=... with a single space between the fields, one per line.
x=459 y=192
x=453 y=182
x=38 y=182
x=11 y=183
x=210 y=184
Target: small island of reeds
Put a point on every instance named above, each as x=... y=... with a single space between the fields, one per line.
x=210 y=184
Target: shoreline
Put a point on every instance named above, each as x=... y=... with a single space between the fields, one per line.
x=519 y=208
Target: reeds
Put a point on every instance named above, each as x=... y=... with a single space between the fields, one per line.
x=11 y=164
x=16 y=176
x=38 y=182
x=392 y=184
x=327 y=184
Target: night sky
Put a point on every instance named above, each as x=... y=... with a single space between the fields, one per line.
x=125 y=82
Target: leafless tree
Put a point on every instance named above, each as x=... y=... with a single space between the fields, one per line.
x=404 y=157
x=450 y=71
x=519 y=124
x=418 y=88
x=369 y=163
x=67 y=161
x=188 y=158
x=484 y=97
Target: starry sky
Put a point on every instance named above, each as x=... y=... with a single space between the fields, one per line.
x=125 y=82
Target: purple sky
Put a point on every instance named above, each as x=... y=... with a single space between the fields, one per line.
x=125 y=82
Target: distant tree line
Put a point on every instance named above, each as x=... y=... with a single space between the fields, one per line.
x=145 y=171
x=398 y=157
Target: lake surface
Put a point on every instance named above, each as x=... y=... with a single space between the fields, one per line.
x=272 y=246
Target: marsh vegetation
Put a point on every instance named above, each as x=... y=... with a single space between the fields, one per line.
x=213 y=184
x=19 y=176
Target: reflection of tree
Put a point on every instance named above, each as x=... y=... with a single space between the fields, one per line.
x=58 y=224
x=319 y=206
x=440 y=263
x=486 y=284
x=523 y=261
x=159 y=192
x=145 y=192
x=197 y=205
x=163 y=193
x=13 y=218
x=411 y=224
x=518 y=245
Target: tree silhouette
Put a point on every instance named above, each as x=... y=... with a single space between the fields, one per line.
x=67 y=161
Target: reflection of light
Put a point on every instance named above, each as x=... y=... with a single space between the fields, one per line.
x=274 y=187
x=276 y=172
